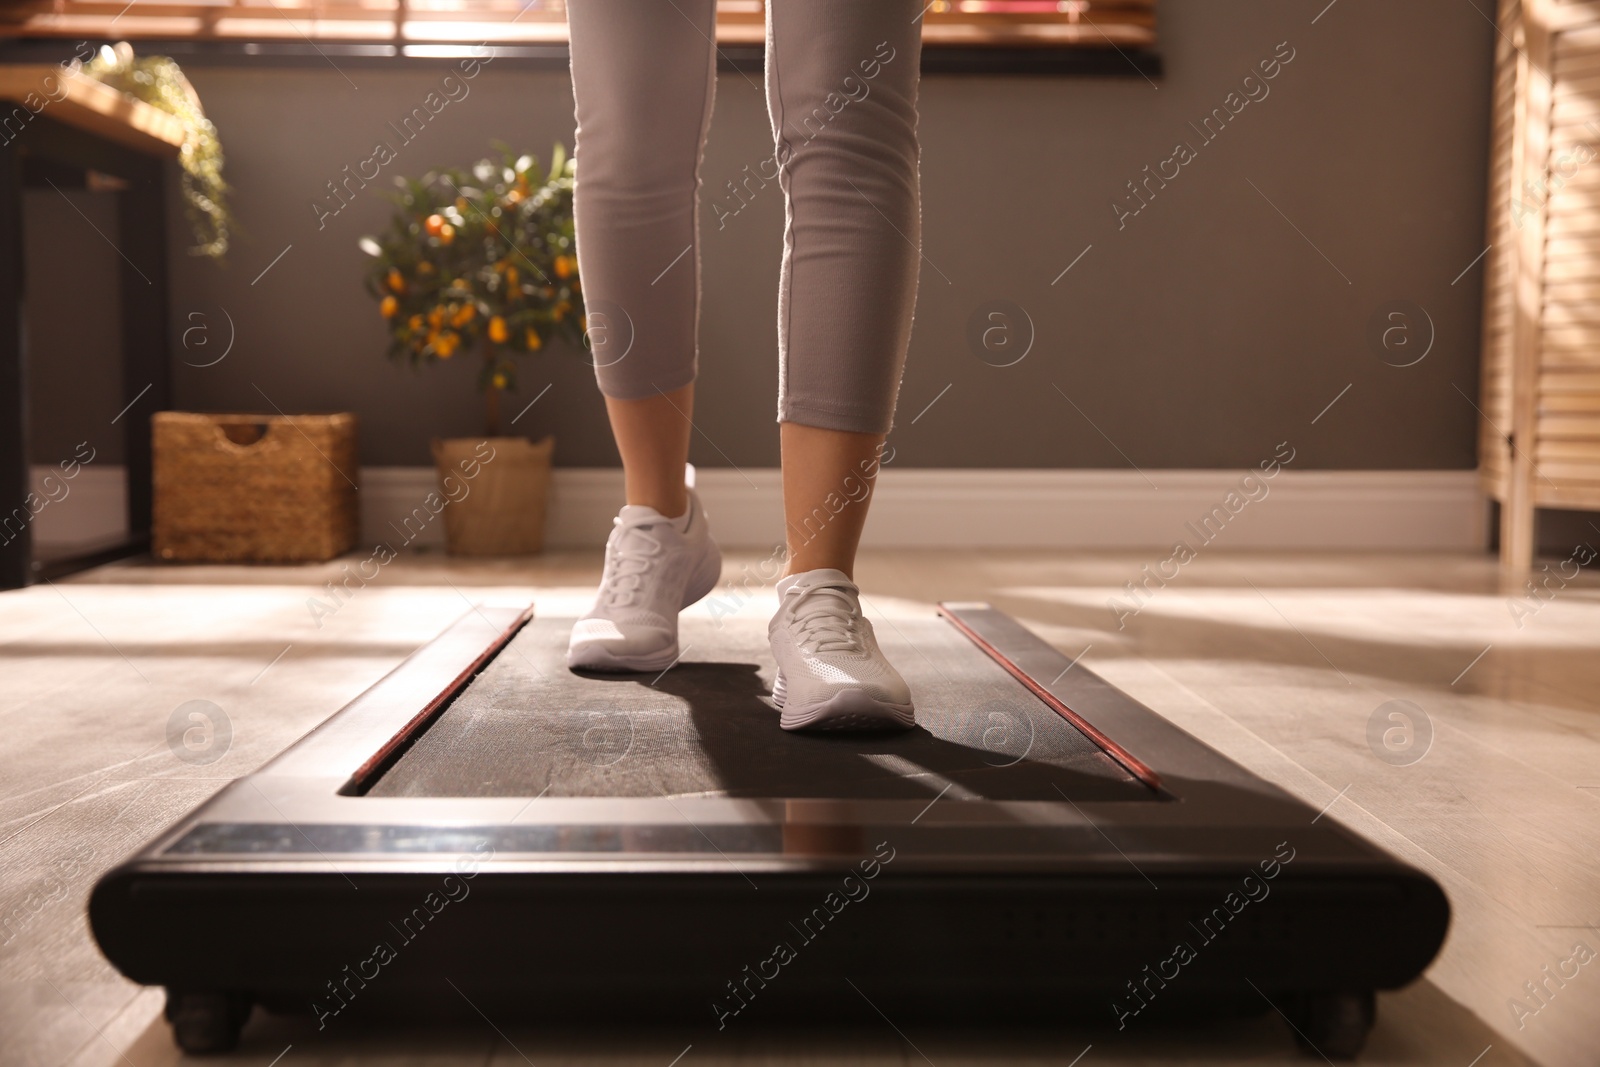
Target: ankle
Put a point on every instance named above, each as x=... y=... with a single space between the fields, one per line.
x=668 y=504
x=800 y=567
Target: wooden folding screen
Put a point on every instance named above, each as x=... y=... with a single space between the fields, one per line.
x=1540 y=431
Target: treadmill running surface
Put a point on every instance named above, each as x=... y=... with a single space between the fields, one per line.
x=707 y=727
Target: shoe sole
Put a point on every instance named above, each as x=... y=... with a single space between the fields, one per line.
x=849 y=710
x=602 y=662
x=596 y=658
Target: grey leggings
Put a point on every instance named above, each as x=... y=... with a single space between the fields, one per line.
x=841 y=89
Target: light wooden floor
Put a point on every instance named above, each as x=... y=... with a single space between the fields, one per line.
x=1280 y=661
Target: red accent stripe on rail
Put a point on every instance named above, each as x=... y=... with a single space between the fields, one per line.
x=363 y=778
x=1129 y=761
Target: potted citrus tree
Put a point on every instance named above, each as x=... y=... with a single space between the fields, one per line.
x=481 y=265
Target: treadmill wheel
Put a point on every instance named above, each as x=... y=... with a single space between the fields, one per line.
x=1333 y=1024
x=207 y=1022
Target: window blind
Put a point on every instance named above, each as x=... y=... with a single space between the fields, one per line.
x=1016 y=23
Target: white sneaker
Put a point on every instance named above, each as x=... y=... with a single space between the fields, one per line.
x=831 y=673
x=655 y=567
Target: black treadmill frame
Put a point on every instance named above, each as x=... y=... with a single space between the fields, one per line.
x=1217 y=822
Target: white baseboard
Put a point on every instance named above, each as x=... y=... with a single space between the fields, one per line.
x=1068 y=509
x=1081 y=509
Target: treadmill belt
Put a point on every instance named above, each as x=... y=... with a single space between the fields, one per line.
x=527 y=725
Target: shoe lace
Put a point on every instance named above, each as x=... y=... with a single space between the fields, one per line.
x=628 y=558
x=825 y=619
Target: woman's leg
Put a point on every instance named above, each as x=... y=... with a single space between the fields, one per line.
x=644 y=83
x=828 y=476
x=842 y=85
x=842 y=80
x=653 y=437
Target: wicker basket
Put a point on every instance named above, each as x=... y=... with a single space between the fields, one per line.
x=254 y=488
x=498 y=490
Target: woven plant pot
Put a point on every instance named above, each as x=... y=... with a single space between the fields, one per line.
x=498 y=490
x=253 y=488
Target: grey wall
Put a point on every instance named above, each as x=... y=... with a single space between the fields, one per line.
x=1221 y=320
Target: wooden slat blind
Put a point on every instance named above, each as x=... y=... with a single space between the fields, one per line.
x=1021 y=23
x=1540 y=435
x=1567 y=445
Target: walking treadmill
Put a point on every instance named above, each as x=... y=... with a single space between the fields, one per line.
x=486 y=827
